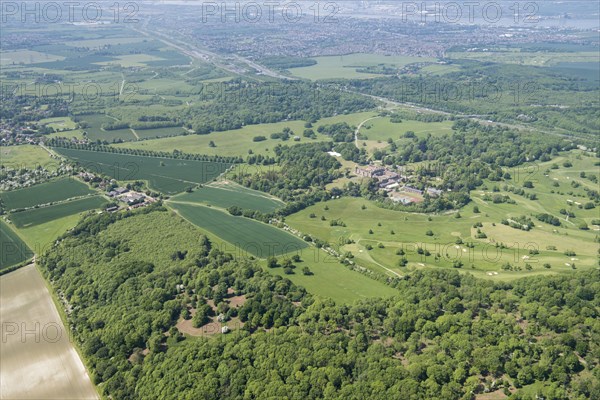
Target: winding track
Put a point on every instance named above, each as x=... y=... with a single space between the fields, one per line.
x=357 y=131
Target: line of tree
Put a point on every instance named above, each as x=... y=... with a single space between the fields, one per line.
x=111 y=126
x=175 y=154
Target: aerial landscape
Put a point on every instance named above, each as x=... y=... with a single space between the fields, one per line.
x=356 y=199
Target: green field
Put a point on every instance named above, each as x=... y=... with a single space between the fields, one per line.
x=95 y=132
x=63 y=127
x=249 y=236
x=159 y=132
x=383 y=128
x=331 y=67
x=225 y=194
x=14 y=250
x=37 y=216
x=76 y=133
x=59 y=123
x=40 y=237
x=44 y=193
x=238 y=142
x=132 y=60
x=440 y=69
x=166 y=175
x=109 y=41
x=26 y=156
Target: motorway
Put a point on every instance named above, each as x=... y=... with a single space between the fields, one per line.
x=208 y=56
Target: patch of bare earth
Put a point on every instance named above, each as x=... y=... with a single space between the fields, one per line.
x=237 y=301
x=497 y=395
x=213 y=327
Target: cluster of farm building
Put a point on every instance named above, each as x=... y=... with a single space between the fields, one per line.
x=132 y=199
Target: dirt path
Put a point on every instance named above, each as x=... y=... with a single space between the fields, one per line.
x=122 y=86
x=357 y=131
x=51 y=152
x=370 y=259
x=37 y=358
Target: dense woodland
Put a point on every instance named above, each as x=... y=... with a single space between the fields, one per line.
x=493 y=145
x=233 y=104
x=445 y=336
x=305 y=170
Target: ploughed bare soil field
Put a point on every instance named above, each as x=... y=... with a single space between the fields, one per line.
x=37 y=359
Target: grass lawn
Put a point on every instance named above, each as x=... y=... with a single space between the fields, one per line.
x=27 y=156
x=159 y=132
x=76 y=133
x=40 y=237
x=376 y=132
x=330 y=67
x=440 y=69
x=334 y=280
x=410 y=234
